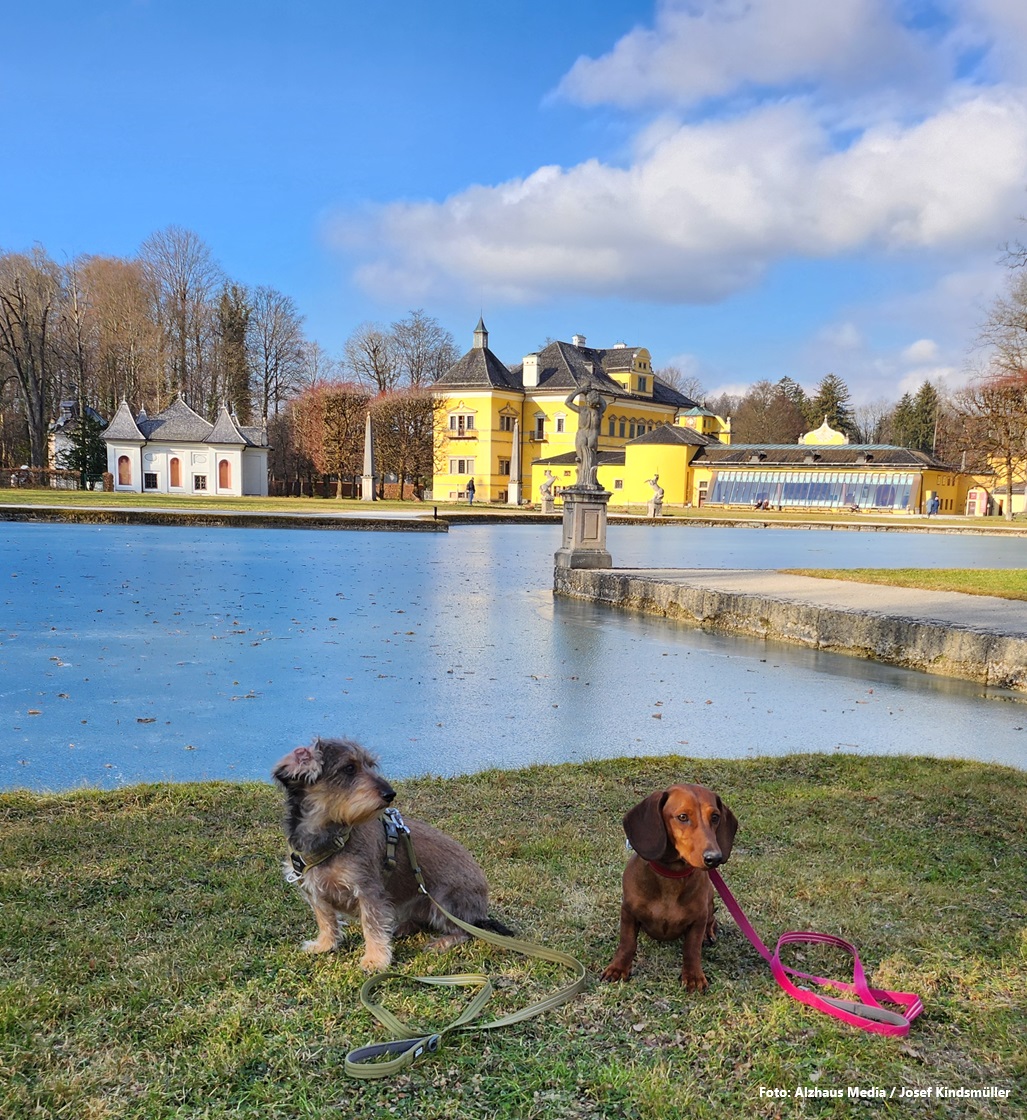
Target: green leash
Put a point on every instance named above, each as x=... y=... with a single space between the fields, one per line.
x=385 y=1059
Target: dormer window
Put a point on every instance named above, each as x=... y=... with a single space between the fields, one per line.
x=643 y=384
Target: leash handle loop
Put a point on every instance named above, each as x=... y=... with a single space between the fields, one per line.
x=866 y=1012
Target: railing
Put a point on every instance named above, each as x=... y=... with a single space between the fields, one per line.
x=39 y=478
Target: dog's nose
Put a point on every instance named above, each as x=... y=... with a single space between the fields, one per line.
x=712 y=859
x=388 y=795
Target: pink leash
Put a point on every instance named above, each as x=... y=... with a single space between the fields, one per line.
x=866 y=1013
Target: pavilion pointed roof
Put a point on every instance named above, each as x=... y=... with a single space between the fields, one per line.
x=123 y=426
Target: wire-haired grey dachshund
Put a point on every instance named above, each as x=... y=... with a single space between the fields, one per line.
x=334 y=801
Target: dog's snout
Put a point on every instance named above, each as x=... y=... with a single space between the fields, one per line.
x=388 y=794
x=712 y=858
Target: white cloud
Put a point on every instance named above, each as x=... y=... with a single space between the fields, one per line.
x=923 y=350
x=842 y=336
x=706 y=208
x=698 y=50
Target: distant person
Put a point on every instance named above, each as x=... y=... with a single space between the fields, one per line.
x=470 y=491
x=935 y=506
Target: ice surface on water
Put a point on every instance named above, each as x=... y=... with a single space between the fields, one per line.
x=135 y=653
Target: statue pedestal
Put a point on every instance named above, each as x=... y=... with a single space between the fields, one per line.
x=548 y=505
x=584 y=529
x=367 y=488
x=656 y=509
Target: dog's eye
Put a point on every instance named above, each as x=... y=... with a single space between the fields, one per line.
x=715 y=819
x=350 y=768
x=683 y=818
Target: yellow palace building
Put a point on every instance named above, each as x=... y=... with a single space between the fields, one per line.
x=490 y=416
x=512 y=431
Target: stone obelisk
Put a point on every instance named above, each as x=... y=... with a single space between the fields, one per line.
x=513 y=496
x=367 y=479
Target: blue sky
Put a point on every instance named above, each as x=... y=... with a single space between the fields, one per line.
x=750 y=188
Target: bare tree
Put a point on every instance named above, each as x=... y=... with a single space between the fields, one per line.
x=871 y=421
x=276 y=348
x=31 y=300
x=404 y=430
x=371 y=357
x=993 y=415
x=686 y=383
x=183 y=278
x=126 y=364
x=423 y=349
x=329 y=427
x=767 y=414
x=316 y=367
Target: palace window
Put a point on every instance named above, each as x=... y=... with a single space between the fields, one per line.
x=540 y=428
x=504 y=466
x=461 y=423
x=199 y=482
x=461 y=466
x=643 y=384
x=506 y=423
x=612 y=428
x=560 y=424
x=149 y=480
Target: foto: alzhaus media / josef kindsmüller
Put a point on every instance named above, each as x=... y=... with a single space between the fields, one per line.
x=937 y=1092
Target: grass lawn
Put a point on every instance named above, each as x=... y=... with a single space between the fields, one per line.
x=93 y=498
x=1004 y=583
x=151 y=966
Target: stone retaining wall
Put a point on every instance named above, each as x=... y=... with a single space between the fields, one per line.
x=211 y=518
x=977 y=655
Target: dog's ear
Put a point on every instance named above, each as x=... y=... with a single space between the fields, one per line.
x=645 y=829
x=726 y=829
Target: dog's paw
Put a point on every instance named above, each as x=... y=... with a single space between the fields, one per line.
x=615 y=971
x=448 y=941
x=376 y=960
x=712 y=930
x=318 y=945
x=694 y=981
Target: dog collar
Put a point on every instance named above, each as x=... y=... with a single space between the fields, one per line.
x=667 y=873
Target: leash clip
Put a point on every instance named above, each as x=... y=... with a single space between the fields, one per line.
x=394 y=819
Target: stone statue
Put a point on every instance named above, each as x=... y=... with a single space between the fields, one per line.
x=545 y=492
x=586 y=440
x=654 y=482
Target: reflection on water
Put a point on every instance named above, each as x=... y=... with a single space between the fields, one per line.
x=133 y=653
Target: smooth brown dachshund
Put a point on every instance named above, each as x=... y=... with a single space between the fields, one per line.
x=677 y=834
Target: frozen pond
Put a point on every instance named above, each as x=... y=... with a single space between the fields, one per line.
x=135 y=653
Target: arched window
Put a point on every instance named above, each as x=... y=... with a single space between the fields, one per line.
x=224 y=475
x=176 y=472
x=124 y=471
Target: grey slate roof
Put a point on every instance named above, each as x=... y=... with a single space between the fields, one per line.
x=479 y=368
x=675 y=434
x=569 y=459
x=123 y=427
x=178 y=423
x=226 y=430
x=562 y=366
